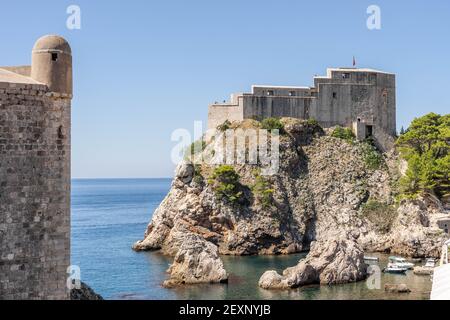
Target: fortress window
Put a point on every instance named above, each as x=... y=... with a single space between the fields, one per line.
x=270 y=93
x=291 y=93
x=54 y=57
x=346 y=76
x=334 y=95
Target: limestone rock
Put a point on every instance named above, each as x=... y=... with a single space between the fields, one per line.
x=335 y=261
x=272 y=280
x=423 y=271
x=396 y=288
x=414 y=232
x=197 y=261
x=84 y=293
x=185 y=172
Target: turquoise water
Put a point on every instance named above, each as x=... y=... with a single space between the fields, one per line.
x=108 y=216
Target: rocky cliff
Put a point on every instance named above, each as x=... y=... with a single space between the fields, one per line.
x=336 y=260
x=325 y=186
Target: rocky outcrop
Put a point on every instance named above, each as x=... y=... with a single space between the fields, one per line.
x=334 y=261
x=414 y=232
x=84 y=293
x=197 y=261
x=322 y=189
x=423 y=271
x=396 y=288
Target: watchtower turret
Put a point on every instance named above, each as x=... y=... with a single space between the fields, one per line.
x=52 y=64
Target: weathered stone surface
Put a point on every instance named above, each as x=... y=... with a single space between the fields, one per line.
x=396 y=288
x=84 y=293
x=34 y=193
x=197 y=261
x=185 y=172
x=335 y=261
x=423 y=271
x=414 y=232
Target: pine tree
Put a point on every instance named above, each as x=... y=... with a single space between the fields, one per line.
x=426 y=147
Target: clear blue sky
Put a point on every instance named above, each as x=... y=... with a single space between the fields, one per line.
x=145 y=68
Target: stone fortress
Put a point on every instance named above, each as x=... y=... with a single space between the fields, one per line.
x=35 y=110
x=361 y=99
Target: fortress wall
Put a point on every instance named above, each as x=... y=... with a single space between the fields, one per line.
x=371 y=99
x=22 y=70
x=334 y=105
x=387 y=102
x=34 y=192
x=261 y=107
x=219 y=113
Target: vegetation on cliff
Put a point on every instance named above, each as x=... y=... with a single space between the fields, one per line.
x=224 y=126
x=372 y=156
x=425 y=145
x=225 y=183
x=381 y=214
x=272 y=124
x=262 y=190
x=343 y=133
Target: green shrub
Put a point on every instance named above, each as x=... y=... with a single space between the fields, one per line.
x=313 y=122
x=262 y=190
x=272 y=124
x=198 y=177
x=343 y=133
x=225 y=183
x=381 y=214
x=372 y=157
x=224 y=126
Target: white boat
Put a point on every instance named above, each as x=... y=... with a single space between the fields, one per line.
x=394 y=268
x=430 y=263
x=367 y=258
x=401 y=262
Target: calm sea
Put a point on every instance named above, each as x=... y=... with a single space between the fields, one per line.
x=109 y=215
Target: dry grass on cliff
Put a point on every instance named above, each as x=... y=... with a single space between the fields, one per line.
x=380 y=214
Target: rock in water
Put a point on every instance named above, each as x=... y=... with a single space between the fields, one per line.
x=396 y=288
x=423 y=271
x=197 y=261
x=84 y=293
x=334 y=261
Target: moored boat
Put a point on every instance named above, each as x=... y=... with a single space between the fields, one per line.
x=401 y=262
x=367 y=258
x=394 y=268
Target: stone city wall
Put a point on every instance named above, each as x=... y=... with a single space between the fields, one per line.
x=34 y=192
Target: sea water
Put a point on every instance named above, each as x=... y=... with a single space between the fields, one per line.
x=109 y=215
